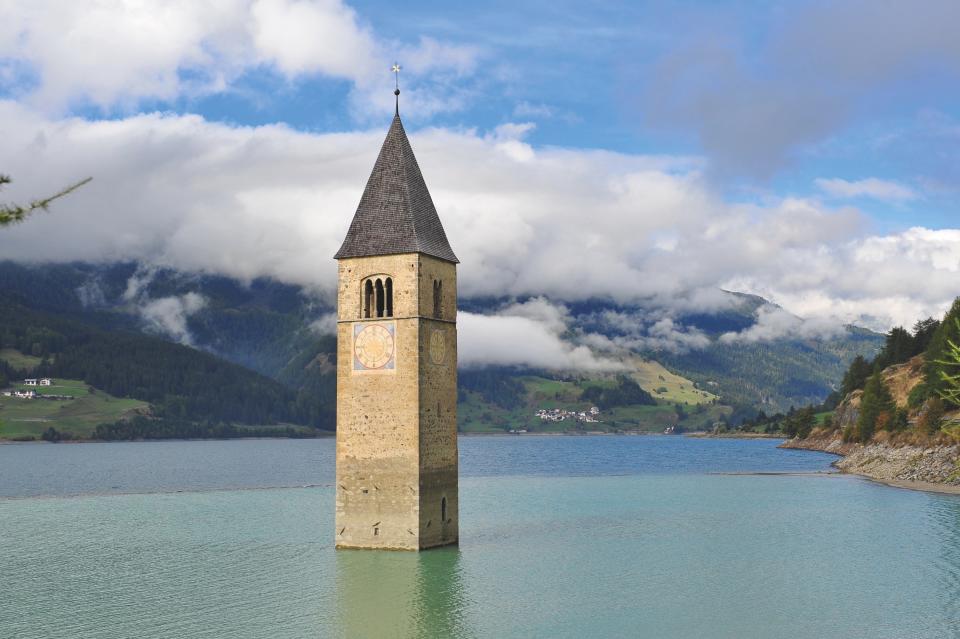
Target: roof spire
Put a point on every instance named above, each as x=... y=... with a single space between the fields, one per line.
x=396 y=213
x=396 y=92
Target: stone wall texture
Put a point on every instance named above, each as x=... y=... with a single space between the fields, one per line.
x=397 y=427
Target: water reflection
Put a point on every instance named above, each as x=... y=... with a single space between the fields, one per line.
x=400 y=594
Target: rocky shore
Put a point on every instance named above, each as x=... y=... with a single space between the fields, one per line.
x=932 y=468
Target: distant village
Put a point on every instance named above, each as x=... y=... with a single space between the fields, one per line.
x=560 y=414
x=32 y=394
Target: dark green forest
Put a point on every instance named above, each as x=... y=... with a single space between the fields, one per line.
x=184 y=385
x=929 y=338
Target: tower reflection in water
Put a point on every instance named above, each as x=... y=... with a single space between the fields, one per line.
x=400 y=594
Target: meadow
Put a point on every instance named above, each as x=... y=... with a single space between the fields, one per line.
x=25 y=418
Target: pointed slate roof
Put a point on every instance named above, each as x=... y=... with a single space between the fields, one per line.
x=396 y=213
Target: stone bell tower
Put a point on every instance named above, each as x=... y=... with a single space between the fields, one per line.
x=396 y=364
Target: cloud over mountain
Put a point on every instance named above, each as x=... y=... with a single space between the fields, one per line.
x=570 y=224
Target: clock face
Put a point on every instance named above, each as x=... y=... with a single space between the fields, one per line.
x=438 y=346
x=373 y=346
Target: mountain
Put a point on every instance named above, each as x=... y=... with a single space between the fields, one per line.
x=183 y=386
x=698 y=365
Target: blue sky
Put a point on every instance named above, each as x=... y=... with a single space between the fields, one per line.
x=610 y=75
x=806 y=151
x=586 y=73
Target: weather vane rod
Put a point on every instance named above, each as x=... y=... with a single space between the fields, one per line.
x=396 y=92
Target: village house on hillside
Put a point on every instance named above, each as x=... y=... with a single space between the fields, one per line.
x=560 y=414
x=28 y=394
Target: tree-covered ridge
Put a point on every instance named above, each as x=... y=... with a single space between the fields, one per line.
x=273 y=328
x=921 y=365
x=181 y=383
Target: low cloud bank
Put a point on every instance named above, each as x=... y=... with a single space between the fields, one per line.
x=530 y=334
x=570 y=225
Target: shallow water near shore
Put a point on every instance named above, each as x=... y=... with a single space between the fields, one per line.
x=561 y=537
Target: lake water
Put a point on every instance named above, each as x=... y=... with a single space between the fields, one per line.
x=560 y=537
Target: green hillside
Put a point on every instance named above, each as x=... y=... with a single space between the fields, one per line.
x=29 y=418
x=181 y=383
x=273 y=329
x=487 y=406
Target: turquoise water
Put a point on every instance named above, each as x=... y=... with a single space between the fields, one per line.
x=561 y=537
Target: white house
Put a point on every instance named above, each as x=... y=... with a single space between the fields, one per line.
x=46 y=381
x=29 y=382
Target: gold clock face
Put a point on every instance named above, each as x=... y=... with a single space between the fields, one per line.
x=373 y=346
x=438 y=346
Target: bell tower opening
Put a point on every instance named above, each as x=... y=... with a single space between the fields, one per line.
x=367 y=299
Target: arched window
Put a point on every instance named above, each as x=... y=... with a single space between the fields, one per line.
x=437 y=298
x=377 y=297
x=379 y=288
x=367 y=299
x=443 y=510
x=389 y=297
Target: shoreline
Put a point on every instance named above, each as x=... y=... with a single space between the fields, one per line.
x=886 y=465
x=733 y=435
x=4 y=442
x=327 y=435
x=911 y=484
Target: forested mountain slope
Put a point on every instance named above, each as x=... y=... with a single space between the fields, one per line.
x=180 y=382
x=285 y=333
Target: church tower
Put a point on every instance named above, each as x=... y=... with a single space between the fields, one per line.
x=396 y=364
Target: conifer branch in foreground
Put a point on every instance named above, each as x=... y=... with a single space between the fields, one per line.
x=15 y=213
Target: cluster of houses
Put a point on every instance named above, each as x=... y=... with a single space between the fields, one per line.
x=560 y=414
x=25 y=394
x=32 y=394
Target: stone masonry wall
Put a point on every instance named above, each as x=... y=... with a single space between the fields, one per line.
x=396 y=455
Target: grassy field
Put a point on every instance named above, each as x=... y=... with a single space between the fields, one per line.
x=705 y=416
x=476 y=415
x=669 y=387
x=18 y=360
x=21 y=418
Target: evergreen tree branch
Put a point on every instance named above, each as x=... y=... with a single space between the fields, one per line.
x=15 y=213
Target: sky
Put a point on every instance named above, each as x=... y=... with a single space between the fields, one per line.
x=808 y=152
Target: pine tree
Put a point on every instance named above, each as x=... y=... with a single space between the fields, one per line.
x=937 y=351
x=897 y=348
x=876 y=405
x=949 y=369
x=856 y=375
x=923 y=332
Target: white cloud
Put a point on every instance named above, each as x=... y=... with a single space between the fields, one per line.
x=168 y=315
x=774 y=323
x=527 y=109
x=112 y=53
x=529 y=334
x=322 y=37
x=165 y=315
x=567 y=224
x=651 y=329
x=325 y=325
x=869 y=187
